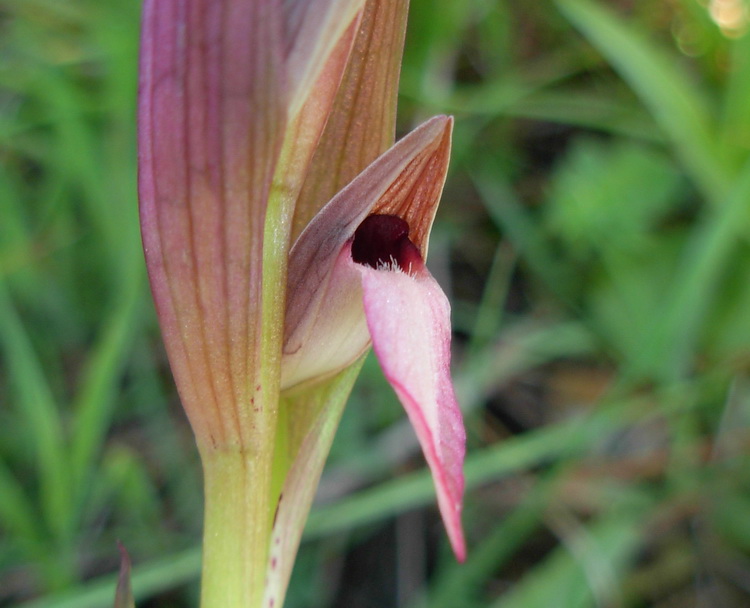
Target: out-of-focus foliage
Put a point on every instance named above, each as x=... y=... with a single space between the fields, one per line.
x=594 y=238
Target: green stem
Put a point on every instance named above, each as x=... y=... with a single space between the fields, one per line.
x=242 y=485
x=237 y=525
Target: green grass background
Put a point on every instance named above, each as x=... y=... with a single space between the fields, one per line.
x=594 y=241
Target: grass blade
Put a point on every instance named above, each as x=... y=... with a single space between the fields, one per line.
x=94 y=406
x=37 y=405
x=676 y=332
x=147 y=580
x=676 y=105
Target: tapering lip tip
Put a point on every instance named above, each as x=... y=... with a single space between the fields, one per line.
x=456 y=537
x=460 y=555
x=458 y=544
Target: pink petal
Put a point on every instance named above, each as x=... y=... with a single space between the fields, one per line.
x=409 y=321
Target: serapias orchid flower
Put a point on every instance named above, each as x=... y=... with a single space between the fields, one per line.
x=283 y=234
x=357 y=273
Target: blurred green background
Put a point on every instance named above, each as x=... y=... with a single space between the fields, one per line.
x=594 y=240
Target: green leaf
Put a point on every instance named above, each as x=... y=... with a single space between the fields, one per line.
x=38 y=408
x=95 y=401
x=677 y=106
x=147 y=580
x=609 y=196
x=585 y=570
x=677 y=329
x=735 y=119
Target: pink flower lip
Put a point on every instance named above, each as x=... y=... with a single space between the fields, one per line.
x=408 y=318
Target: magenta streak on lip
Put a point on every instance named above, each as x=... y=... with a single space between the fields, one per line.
x=381 y=240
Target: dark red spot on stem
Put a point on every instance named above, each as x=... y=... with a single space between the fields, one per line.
x=382 y=240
